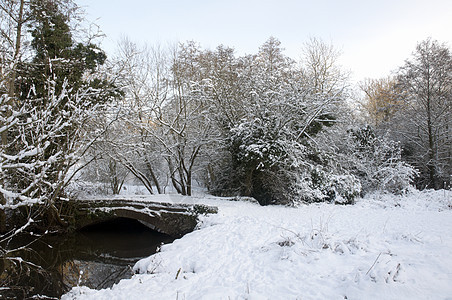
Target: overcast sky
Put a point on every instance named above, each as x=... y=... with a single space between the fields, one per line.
x=375 y=37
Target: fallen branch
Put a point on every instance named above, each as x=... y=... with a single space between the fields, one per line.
x=374 y=263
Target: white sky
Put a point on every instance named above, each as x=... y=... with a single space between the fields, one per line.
x=374 y=36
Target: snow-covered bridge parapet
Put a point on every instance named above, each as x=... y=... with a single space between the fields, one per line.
x=174 y=219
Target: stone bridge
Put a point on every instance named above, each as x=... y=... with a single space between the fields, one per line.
x=174 y=219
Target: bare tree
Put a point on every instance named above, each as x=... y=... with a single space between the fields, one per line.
x=184 y=119
x=141 y=73
x=383 y=98
x=320 y=69
x=425 y=124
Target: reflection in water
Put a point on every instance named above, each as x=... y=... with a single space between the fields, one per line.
x=97 y=257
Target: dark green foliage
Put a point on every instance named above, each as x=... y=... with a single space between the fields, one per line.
x=364 y=138
x=256 y=148
x=51 y=35
x=57 y=56
x=257 y=144
x=317 y=125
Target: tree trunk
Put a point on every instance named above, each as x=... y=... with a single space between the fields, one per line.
x=10 y=101
x=431 y=166
x=153 y=176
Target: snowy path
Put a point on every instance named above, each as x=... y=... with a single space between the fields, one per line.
x=381 y=248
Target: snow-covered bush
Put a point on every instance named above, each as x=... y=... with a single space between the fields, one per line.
x=258 y=151
x=256 y=145
x=275 y=169
x=320 y=185
x=379 y=162
x=375 y=160
x=345 y=187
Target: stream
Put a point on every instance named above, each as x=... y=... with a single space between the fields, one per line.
x=98 y=257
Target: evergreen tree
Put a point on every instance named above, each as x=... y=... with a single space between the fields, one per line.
x=56 y=55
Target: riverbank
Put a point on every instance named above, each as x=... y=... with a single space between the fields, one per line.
x=385 y=247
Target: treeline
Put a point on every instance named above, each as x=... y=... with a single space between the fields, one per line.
x=260 y=125
x=279 y=130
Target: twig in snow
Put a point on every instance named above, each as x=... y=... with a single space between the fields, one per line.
x=178 y=272
x=374 y=263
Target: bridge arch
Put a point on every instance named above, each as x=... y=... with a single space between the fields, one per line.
x=118 y=224
x=172 y=219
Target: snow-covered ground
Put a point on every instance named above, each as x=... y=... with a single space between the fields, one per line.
x=384 y=247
